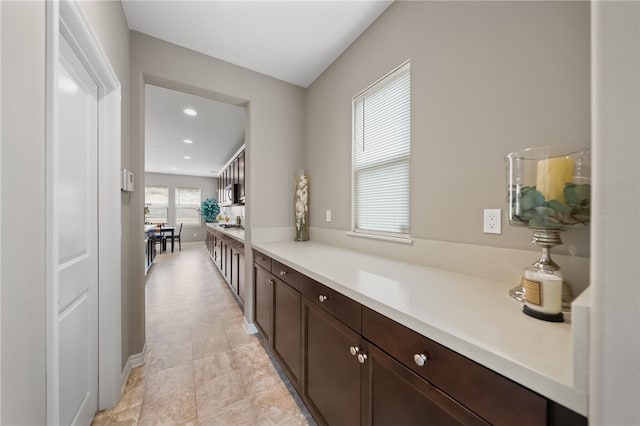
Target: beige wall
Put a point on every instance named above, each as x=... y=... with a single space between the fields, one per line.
x=275 y=120
x=487 y=78
x=23 y=290
x=23 y=210
x=208 y=188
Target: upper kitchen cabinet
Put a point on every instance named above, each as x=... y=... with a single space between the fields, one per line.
x=241 y=175
x=231 y=181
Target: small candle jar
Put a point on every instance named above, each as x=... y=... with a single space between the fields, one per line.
x=542 y=290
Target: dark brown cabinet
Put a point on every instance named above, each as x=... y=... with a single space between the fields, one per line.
x=331 y=384
x=241 y=175
x=238 y=276
x=278 y=306
x=228 y=256
x=287 y=329
x=393 y=395
x=354 y=366
x=234 y=173
x=264 y=301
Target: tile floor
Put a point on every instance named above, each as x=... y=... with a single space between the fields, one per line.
x=202 y=368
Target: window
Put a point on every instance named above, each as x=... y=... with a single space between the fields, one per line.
x=156 y=204
x=381 y=156
x=188 y=206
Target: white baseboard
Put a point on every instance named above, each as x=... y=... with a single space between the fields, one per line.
x=249 y=327
x=135 y=360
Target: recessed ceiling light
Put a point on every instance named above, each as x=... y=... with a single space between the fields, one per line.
x=186 y=157
x=173 y=168
x=190 y=111
x=187 y=141
x=155 y=148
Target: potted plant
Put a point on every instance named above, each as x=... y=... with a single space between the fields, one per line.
x=209 y=209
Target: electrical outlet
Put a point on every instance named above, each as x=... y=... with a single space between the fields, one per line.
x=492 y=221
x=195 y=235
x=327 y=215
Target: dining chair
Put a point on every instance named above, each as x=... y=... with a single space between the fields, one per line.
x=160 y=238
x=176 y=236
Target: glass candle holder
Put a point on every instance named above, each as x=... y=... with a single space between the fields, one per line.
x=547 y=193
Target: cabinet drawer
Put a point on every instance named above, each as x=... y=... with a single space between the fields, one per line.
x=262 y=260
x=288 y=275
x=493 y=397
x=338 y=305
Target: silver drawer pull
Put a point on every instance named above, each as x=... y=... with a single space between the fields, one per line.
x=362 y=358
x=283 y=273
x=354 y=350
x=322 y=298
x=260 y=259
x=270 y=281
x=420 y=359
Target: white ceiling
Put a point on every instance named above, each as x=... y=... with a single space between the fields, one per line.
x=217 y=133
x=294 y=41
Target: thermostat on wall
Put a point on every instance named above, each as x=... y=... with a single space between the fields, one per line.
x=126 y=181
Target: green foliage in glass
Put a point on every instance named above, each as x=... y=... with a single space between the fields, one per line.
x=209 y=209
x=529 y=208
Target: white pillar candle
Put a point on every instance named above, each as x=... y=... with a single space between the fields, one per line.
x=552 y=175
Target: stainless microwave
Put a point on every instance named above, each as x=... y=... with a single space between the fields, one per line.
x=232 y=194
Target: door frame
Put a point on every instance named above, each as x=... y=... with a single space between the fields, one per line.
x=66 y=17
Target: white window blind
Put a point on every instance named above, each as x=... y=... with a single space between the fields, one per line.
x=188 y=206
x=156 y=200
x=381 y=155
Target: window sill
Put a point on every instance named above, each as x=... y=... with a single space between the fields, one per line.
x=400 y=240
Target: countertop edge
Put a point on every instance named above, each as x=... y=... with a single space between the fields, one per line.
x=235 y=233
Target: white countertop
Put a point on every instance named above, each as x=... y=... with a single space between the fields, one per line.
x=235 y=233
x=472 y=316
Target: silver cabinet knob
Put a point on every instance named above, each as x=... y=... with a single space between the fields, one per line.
x=362 y=358
x=283 y=273
x=270 y=281
x=322 y=298
x=354 y=350
x=420 y=359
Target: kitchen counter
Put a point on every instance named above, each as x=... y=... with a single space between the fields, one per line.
x=472 y=316
x=235 y=233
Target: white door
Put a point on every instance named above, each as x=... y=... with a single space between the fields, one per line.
x=76 y=221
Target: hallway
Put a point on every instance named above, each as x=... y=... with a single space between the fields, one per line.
x=202 y=368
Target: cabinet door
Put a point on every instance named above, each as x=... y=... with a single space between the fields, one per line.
x=241 y=173
x=220 y=188
x=234 y=171
x=228 y=270
x=216 y=250
x=240 y=276
x=263 y=301
x=393 y=395
x=287 y=329
x=331 y=377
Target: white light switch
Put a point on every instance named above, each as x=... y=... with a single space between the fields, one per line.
x=327 y=216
